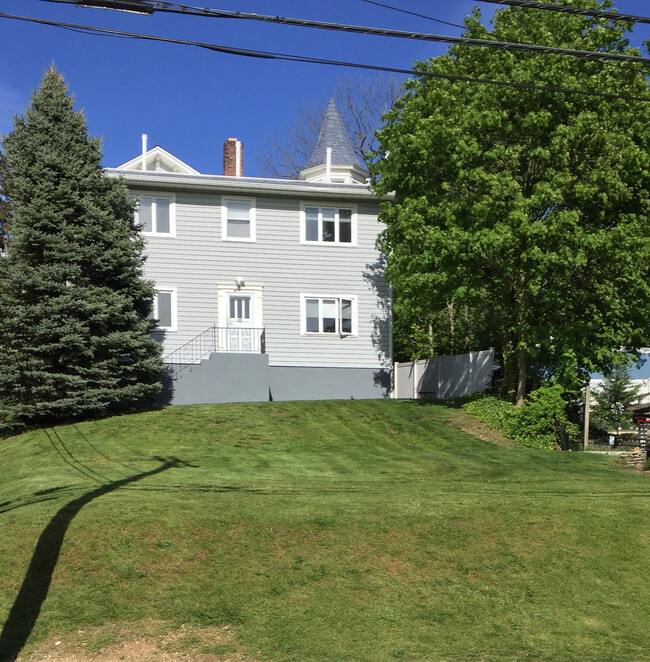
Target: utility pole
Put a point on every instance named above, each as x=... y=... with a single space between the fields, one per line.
x=587 y=407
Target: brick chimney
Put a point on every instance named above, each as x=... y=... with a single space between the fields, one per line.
x=233 y=158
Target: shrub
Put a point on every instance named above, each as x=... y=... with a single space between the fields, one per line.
x=494 y=412
x=536 y=423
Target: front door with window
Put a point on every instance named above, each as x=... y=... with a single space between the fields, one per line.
x=241 y=334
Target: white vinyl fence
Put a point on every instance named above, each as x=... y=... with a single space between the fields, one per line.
x=445 y=376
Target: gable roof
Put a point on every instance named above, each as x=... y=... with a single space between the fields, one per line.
x=332 y=134
x=159 y=159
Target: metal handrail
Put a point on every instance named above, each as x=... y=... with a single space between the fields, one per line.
x=215 y=339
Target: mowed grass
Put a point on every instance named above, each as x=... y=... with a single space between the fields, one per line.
x=331 y=531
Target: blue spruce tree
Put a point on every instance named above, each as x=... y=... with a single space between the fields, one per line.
x=74 y=307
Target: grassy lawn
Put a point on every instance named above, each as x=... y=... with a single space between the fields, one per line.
x=356 y=531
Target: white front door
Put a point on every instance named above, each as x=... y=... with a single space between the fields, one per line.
x=241 y=335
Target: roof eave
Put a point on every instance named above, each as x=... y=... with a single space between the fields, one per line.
x=242 y=185
x=355 y=171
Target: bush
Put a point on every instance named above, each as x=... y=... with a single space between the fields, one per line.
x=494 y=412
x=536 y=423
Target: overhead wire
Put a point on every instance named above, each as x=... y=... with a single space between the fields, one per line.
x=526 y=4
x=176 y=8
x=413 y=13
x=570 y=9
x=313 y=60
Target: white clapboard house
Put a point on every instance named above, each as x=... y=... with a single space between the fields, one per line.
x=267 y=289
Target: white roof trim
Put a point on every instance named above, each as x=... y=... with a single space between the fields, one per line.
x=242 y=185
x=157 y=153
x=322 y=172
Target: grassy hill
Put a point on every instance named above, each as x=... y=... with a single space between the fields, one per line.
x=356 y=531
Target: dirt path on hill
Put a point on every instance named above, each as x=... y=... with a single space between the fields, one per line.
x=459 y=418
x=143 y=641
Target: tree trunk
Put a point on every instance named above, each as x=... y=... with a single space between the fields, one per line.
x=509 y=374
x=431 y=346
x=509 y=358
x=522 y=373
x=452 y=327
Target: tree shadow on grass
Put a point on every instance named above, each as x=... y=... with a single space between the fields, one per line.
x=31 y=596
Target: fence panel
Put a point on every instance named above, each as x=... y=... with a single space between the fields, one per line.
x=445 y=376
x=405 y=380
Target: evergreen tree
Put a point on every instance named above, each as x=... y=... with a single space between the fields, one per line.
x=75 y=308
x=614 y=399
x=5 y=221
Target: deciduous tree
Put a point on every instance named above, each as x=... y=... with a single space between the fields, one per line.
x=527 y=208
x=75 y=318
x=361 y=102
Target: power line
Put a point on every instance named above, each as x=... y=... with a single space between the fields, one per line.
x=413 y=13
x=568 y=9
x=175 y=8
x=313 y=60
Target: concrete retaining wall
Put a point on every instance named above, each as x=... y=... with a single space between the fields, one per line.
x=225 y=377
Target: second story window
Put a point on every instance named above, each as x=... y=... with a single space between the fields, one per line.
x=332 y=225
x=154 y=214
x=238 y=220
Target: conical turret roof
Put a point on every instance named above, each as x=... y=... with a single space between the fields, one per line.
x=332 y=134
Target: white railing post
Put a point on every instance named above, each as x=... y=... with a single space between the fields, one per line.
x=395 y=392
x=416 y=384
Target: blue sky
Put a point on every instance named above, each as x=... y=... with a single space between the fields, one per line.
x=190 y=100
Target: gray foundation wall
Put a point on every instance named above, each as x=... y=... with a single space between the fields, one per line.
x=250 y=378
x=222 y=378
x=329 y=383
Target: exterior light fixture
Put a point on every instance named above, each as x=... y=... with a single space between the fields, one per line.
x=135 y=6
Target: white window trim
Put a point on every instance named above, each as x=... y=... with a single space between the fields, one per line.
x=172 y=291
x=322 y=334
x=224 y=219
x=251 y=313
x=319 y=241
x=224 y=290
x=172 y=212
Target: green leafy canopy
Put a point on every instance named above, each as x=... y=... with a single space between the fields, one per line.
x=527 y=209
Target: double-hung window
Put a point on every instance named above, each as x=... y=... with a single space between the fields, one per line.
x=329 y=225
x=238 y=219
x=328 y=315
x=155 y=215
x=164 y=308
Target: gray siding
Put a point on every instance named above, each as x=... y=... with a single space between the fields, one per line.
x=197 y=259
